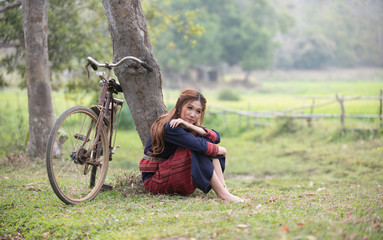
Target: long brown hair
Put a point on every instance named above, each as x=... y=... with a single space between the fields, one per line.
x=157 y=130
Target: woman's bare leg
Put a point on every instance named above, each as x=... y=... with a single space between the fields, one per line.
x=218 y=171
x=222 y=191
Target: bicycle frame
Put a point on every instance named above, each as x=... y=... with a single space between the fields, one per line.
x=106 y=106
x=106 y=101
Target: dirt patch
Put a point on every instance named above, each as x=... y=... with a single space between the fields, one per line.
x=129 y=183
x=19 y=160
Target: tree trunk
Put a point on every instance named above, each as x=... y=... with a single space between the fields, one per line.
x=142 y=89
x=35 y=25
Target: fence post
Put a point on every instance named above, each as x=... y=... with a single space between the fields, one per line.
x=380 y=109
x=310 y=119
x=341 y=100
x=225 y=117
x=248 y=117
x=239 y=119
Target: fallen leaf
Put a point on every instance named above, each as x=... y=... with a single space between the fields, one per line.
x=300 y=224
x=34 y=189
x=286 y=228
x=311 y=184
x=242 y=226
x=320 y=189
x=46 y=234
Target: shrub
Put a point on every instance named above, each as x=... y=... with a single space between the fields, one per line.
x=228 y=95
x=126 y=119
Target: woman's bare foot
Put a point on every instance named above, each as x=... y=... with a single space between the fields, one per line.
x=232 y=198
x=222 y=192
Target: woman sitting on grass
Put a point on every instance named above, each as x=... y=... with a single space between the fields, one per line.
x=181 y=155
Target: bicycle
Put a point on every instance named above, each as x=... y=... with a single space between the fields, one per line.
x=82 y=140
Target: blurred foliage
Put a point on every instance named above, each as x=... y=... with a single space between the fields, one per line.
x=3 y=83
x=161 y=16
x=185 y=34
x=78 y=29
x=73 y=34
x=333 y=33
x=228 y=95
x=313 y=52
x=13 y=125
x=126 y=119
x=238 y=33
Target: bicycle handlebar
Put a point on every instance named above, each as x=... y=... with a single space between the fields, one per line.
x=94 y=64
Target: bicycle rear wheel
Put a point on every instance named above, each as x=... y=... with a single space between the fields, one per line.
x=77 y=163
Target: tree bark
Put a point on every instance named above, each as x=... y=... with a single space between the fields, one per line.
x=142 y=89
x=35 y=25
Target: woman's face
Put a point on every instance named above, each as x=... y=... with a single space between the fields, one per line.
x=191 y=112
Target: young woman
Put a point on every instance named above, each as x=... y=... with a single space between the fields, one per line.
x=181 y=155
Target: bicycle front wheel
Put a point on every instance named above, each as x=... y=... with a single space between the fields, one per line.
x=77 y=162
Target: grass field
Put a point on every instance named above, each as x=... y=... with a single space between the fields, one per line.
x=304 y=183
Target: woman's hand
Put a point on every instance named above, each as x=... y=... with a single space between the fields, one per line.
x=179 y=122
x=185 y=125
x=222 y=151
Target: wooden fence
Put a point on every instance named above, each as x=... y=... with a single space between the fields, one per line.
x=295 y=111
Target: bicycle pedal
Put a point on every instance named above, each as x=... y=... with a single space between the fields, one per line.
x=114 y=149
x=80 y=137
x=106 y=187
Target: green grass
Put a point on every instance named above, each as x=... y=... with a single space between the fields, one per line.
x=300 y=186
x=318 y=182
x=285 y=95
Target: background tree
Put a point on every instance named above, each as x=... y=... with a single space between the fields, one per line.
x=35 y=21
x=74 y=33
x=76 y=29
x=260 y=23
x=237 y=33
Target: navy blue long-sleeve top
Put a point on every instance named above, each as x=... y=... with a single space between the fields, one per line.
x=179 y=137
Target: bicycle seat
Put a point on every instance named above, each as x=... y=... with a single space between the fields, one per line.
x=115 y=85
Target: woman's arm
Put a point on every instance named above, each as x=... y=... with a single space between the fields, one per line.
x=212 y=135
x=185 y=125
x=180 y=137
x=201 y=131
